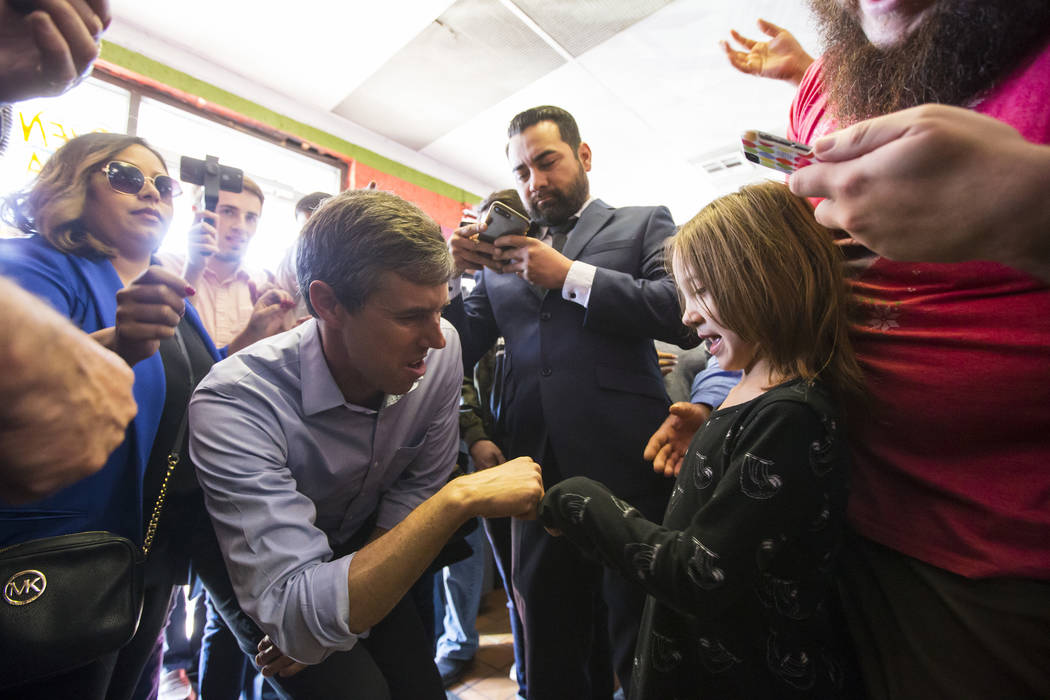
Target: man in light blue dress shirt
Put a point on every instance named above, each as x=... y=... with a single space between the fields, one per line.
x=323 y=454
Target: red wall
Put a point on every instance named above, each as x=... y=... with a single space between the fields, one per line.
x=446 y=211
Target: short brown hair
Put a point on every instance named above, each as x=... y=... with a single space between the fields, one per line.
x=308 y=204
x=249 y=185
x=777 y=279
x=567 y=128
x=356 y=236
x=53 y=204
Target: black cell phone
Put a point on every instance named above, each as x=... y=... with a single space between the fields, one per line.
x=212 y=176
x=503 y=221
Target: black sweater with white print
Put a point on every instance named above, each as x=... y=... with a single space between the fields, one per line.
x=742 y=601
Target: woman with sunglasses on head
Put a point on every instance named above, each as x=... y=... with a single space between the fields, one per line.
x=95 y=214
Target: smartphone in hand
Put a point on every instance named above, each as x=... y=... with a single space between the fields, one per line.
x=503 y=221
x=775 y=152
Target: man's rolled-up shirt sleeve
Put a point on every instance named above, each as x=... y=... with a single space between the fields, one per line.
x=279 y=562
x=433 y=463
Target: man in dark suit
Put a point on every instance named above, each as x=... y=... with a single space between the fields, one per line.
x=578 y=306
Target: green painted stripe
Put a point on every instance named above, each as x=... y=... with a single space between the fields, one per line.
x=167 y=75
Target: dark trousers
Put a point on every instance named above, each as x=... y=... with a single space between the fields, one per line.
x=225 y=670
x=498 y=531
x=924 y=632
x=394 y=661
x=581 y=619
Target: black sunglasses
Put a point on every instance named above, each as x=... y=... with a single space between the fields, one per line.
x=127 y=178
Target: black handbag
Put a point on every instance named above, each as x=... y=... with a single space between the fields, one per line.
x=70 y=599
x=67 y=600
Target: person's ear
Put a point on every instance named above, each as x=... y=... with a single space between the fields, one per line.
x=583 y=152
x=325 y=303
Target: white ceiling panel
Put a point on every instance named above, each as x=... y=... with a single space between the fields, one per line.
x=670 y=69
x=581 y=25
x=316 y=51
x=433 y=83
x=476 y=53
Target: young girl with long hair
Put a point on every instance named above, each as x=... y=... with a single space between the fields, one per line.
x=740 y=574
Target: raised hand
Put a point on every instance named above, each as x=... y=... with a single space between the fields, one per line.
x=269 y=316
x=514 y=488
x=533 y=260
x=471 y=253
x=667 y=447
x=667 y=360
x=46 y=51
x=485 y=454
x=780 y=58
x=148 y=310
x=935 y=184
x=202 y=243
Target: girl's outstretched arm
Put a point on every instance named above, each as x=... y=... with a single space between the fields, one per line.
x=767 y=516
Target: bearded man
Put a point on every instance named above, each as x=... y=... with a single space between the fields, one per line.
x=947 y=582
x=578 y=306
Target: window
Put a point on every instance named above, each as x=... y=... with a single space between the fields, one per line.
x=283 y=175
x=41 y=126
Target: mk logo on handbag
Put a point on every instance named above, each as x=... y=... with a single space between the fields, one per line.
x=25 y=587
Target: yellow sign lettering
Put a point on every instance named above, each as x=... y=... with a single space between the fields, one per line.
x=61 y=132
x=27 y=129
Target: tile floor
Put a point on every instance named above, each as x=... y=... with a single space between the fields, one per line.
x=487 y=677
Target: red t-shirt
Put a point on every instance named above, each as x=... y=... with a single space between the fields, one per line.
x=952 y=456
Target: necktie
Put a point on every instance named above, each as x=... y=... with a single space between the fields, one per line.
x=560 y=232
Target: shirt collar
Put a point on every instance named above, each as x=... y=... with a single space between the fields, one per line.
x=320 y=392
x=586 y=204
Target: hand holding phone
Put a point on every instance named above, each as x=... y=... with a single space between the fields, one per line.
x=775 y=152
x=502 y=220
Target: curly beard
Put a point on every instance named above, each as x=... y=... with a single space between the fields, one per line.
x=959 y=52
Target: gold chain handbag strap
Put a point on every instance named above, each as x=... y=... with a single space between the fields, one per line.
x=173 y=456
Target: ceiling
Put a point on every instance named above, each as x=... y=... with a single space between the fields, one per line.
x=433 y=83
